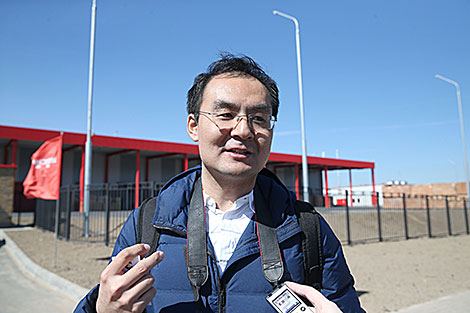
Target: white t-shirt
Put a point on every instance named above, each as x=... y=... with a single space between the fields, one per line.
x=226 y=228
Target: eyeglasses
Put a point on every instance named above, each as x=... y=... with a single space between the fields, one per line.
x=258 y=122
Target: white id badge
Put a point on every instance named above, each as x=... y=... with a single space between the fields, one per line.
x=285 y=300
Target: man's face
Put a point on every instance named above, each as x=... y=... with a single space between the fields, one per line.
x=233 y=152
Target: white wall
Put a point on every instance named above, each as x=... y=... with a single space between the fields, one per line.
x=287 y=176
x=315 y=181
x=362 y=195
x=114 y=169
x=68 y=167
x=2 y=154
x=163 y=169
x=24 y=162
x=127 y=166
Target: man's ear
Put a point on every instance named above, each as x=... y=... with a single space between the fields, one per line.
x=192 y=128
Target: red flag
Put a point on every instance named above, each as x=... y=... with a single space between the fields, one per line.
x=43 y=180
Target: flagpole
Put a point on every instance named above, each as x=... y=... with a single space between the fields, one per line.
x=57 y=206
x=57 y=216
x=44 y=177
x=88 y=146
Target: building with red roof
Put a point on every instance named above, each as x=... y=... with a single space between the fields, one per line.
x=127 y=160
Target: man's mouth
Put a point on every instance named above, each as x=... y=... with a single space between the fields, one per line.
x=239 y=151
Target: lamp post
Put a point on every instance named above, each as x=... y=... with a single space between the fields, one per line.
x=462 y=131
x=88 y=147
x=301 y=97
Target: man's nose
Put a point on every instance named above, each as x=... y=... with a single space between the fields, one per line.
x=242 y=128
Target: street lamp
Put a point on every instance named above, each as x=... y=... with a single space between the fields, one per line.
x=88 y=147
x=302 y=122
x=462 y=131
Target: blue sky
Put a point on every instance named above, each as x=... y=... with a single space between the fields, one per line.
x=368 y=73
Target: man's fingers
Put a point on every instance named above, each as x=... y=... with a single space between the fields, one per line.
x=322 y=304
x=310 y=293
x=142 y=268
x=142 y=285
x=128 y=288
x=125 y=256
x=144 y=300
x=136 y=291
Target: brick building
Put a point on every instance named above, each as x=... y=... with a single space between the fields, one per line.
x=449 y=189
x=438 y=195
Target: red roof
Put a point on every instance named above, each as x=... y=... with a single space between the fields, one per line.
x=40 y=135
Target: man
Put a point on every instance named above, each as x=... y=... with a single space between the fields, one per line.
x=232 y=109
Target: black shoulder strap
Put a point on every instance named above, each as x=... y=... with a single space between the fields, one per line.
x=146 y=233
x=273 y=267
x=311 y=243
x=272 y=264
x=196 y=251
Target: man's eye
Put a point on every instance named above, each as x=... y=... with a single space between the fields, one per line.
x=260 y=119
x=225 y=115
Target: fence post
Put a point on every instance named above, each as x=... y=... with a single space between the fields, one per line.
x=379 y=222
x=57 y=217
x=68 y=214
x=107 y=209
x=405 y=217
x=61 y=211
x=449 y=229
x=19 y=215
x=466 y=215
x=348 y=226
x=428 y=215
x=56 y=228
x=35 y=215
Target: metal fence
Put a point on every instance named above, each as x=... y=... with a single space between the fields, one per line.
x=374 y=217
x=397 y=216
x=110 y=205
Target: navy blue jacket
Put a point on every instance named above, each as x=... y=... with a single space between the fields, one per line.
x=242 y=287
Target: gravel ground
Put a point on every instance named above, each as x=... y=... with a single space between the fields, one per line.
x=389 y=275
x=394 y=275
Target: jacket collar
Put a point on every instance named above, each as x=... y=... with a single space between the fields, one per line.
x=173 y=203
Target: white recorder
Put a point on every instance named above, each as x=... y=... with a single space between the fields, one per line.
x=285 y=300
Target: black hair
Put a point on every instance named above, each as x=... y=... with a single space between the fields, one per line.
x=235 y=65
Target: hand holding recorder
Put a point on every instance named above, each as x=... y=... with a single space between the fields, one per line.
x=322 y=304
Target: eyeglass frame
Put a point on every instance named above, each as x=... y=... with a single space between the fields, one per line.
x=238 y=117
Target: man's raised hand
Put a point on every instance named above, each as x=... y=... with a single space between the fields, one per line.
x=129 y=291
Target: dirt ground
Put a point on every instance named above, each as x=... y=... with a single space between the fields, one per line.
x=394 y=275
x=389 y=275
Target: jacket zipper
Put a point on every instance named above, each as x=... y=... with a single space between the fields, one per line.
x=221 y=292
x=171 y=229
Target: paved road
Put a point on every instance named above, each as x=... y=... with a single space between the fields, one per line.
x=457 y=303
x=21 y=293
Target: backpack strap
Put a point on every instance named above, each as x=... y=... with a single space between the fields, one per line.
x=196 y=250
x=309 y=221
x=146 y=233
x=273 y=268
